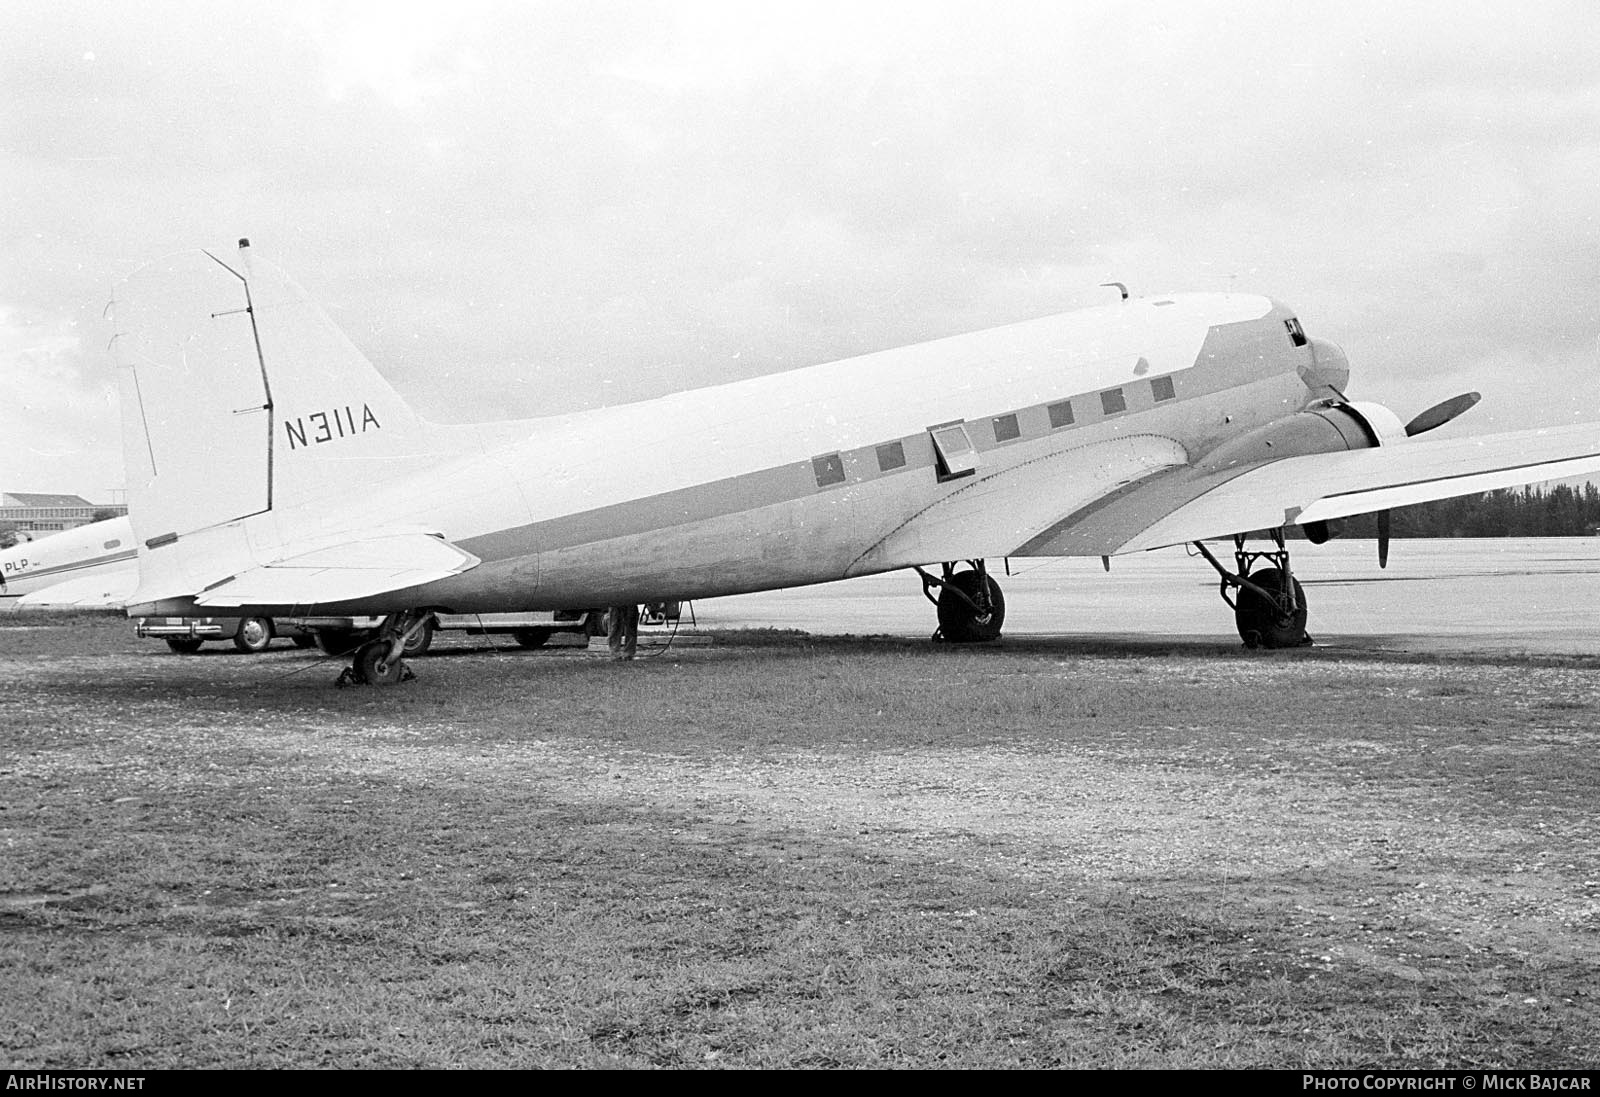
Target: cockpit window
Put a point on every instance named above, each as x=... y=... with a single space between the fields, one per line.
x=1297 y=335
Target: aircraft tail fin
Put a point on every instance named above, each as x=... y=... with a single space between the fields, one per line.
x=240 y=397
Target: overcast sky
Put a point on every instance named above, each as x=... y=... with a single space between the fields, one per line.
x=518 y=208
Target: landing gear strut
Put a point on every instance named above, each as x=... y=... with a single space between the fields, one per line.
x=1270 y=607
x=378 y=662
x=971 y=606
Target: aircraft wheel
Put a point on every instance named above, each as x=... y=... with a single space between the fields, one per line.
x=421 y=640
x=254 y=635
x=959 y=623
x=531 y=637
x=303 y=640
x=1261 y=623
x=184 y=645
x=373 y=667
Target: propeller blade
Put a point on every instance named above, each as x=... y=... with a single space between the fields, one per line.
x=1441 y=413
x=1383 y=537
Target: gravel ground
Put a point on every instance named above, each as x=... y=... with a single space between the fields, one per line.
x=1322 y=830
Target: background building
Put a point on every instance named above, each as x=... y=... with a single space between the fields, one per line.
x=40 y=513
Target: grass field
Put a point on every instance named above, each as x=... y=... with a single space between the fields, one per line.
x=779 y=851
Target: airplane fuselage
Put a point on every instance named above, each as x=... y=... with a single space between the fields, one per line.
x=73 y=556
x=816 y=474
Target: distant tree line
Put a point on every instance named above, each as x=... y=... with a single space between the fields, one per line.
x=1534 y=511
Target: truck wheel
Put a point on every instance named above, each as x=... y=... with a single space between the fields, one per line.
x=184 y=645
x=254 y=635
x=422 y=640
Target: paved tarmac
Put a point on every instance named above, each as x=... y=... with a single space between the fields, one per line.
x=1534 y=595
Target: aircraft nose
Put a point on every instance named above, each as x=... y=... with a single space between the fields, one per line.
x=1328 y=369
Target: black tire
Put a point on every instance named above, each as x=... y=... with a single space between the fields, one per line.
x=338 y=641
x=594 y=624
x=372 y=666
x=1261 y=623
x=254 y=635
x=421 y=640
x=531 y=637
x=959 y=623
x=184 y=645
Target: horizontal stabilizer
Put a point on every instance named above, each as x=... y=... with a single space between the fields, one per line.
x=343 y=572
x=1320 y=486
x=106 y=590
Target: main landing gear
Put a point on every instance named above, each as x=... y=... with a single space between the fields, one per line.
x=971 y=606
x=1269 y=606
x=379 y=662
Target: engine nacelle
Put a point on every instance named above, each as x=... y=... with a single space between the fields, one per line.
x=1324 y=428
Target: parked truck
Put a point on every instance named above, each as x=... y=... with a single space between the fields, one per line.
x=186 y=635
x=343 y=635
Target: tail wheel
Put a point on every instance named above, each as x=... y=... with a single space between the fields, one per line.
x=959 y=621
x=184 y=645
x=373 y=666
x=254 y=635
x=1265 y=623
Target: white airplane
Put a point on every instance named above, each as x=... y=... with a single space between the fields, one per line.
x=94 y=565
x=272 y=471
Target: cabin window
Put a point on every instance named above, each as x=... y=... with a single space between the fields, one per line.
x=954 y=453
x=1005 y=428
x=112 y=544
x=1161 y=388
x=1061 y=414
x=829 y=470
x=1297 y=335
x=1112 y=401
x=891 y=455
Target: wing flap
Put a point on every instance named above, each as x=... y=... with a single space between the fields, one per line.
x=1317 y=487
x=343 y=572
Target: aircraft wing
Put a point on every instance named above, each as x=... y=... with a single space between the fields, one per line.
x=106 y=590
x=1317 y=487
x=342 y=572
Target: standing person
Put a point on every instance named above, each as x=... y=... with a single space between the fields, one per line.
x=624 y=636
